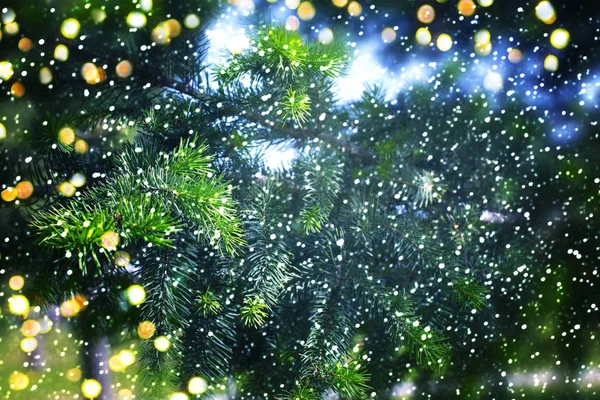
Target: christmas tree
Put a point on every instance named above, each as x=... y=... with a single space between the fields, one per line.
x=151 y=216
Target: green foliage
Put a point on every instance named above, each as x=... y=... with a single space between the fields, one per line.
x=208 y=304
x=268 y=259
x=322 y=183
x=287 y=62
x=349 y=380
x=254 y=312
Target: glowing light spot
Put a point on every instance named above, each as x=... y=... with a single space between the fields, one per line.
x=66 y=189
x=174 y=27
x=17 y=89
x=388 y=35
x=292 y=23
x=493 y=82
x=61 y=52
x=2 y=131
x=136 y=19
x=29 y=344
x=66 y=136
x=545 y=12
x=98 y=15
x=24 y=190
x=162 y=343
x=69 y=308
x=122 y=258
x=91 y=388
x=161 y=34
x=18 y=381
x=25 y=45
x=18 y=304
x=9 y=194
x=16 y=282
x=560 y=38
x=127 y=357
x=551 y=63
x=426 y=14
x=8 y=15
x=326 y=36
x=6 y=70
x=115 y=364
x=91 y=73
x=81 y=146
x=515 y=56
x=110 y=241
x=30 y=328
x=306 y=11
x=483 y=49
x=45 y=76
x=444 y=42
x=70 y=28
x=197 y=385
x=423 y=36
x=485 y=3
x=146 y=329
x=125 y=394
x=146 y=5
x=292 y=4
x=339 y=3
x=238 y=43
x=78 y=179
x=482 y=36
x=354 y=9
x=11 y=29
x=74 y=374
x=179 y=396
x=46 y=325
x=136 y=295
x=466 y=7
x=191 y=21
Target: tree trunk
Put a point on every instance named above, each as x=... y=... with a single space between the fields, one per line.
x=95 y=366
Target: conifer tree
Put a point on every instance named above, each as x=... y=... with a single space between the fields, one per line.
x=136 y=193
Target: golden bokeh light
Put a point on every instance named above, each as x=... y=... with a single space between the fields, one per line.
x=6 y=70
x=28 y=344
x=515 y=56
x=551 y=63
x=545 y=12
x=444 y=42
x=197 y=385
x=18 y=304
x=191 y=21
x=30 y=328
x=46 y=76
x=466 y=7
x=136 y=295
x=426 y=14
x=91 y=388
x=354 y=9
x=66 y=136
x=388 y=35
x=70 y=28
x=109 y=240
x=162 y=343
x=136 y=19
x=24 y=190
x=146 y=330
x=560 y=38
x=18 y=381
x=306 y=11
x=16 y=282
x=25 y=45
x=61 y=53
x=17 y=89
x=66 y=189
